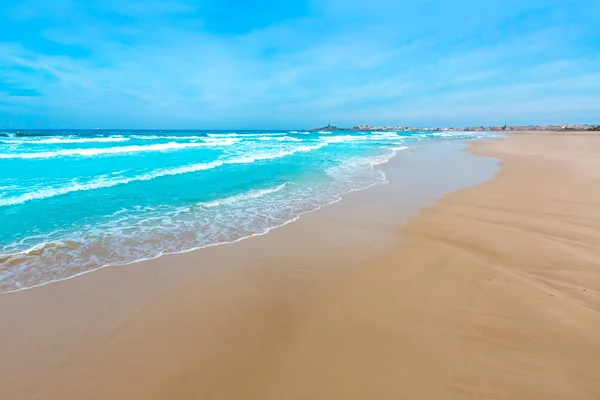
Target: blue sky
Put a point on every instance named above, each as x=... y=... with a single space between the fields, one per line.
x=284 y=64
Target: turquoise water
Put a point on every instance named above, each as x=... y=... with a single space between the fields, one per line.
x=74 y=201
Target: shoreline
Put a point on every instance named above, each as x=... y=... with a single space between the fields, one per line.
x=396 y=151
x=72 y=321
x=494 y=293
x=339 y=197
x=391 y=293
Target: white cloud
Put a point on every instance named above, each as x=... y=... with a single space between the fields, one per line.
x=155 y=63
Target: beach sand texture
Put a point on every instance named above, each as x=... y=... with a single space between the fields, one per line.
x=494 y=293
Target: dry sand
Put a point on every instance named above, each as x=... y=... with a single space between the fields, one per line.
x=493 y=294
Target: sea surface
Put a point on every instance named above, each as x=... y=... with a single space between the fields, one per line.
x=75 y=201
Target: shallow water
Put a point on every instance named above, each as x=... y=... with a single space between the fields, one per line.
x=74 y=201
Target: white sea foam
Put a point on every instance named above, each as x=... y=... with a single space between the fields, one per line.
x=223 y=134
x=159 y=137
x=206 y=139
x=183 y=229
x=280 y=138
x=139 y=233
x=107 y=182
x=92 y=152
x=219 y=141
x=362 y=138
x=273 y=155
x=9 y=187
x=341 y=139
x=66 y=140
x=385 y=133
x=33 y=249
x=399 y=148
x=244 y=135
x=252 y=194
x=359 y=172
x=104 y=182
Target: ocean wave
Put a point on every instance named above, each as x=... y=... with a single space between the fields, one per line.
x=107 y=182
x=136 y=233
x=341 y=139
x=218 y=141
x=251 y=194
x=112 y=150
x=158 y=137
x=244 y=135
x=50 y=133
x=57 y=140
x=104 y=182
x=222 y=134
x=270 y=156
x=346 y=170
x=385 y=133
x=31 y=134
x=279 y=138
x=34 y=250
x=399 y=148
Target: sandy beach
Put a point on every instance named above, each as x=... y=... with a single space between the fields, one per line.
x=491 y=292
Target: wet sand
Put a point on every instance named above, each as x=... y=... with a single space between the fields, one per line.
x=493 y=293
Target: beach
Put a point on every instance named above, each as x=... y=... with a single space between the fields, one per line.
x=472 y=274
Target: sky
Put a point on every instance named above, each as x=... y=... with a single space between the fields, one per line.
x=221 y=64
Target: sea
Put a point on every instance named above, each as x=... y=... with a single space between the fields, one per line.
x=73 y=201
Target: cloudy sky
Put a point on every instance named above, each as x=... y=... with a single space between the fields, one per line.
x=213 y=64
